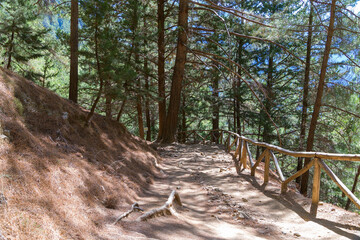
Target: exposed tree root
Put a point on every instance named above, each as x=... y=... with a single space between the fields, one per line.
x=166 y=209
x=134 y=208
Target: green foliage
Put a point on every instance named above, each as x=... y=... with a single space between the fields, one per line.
x=21 y=35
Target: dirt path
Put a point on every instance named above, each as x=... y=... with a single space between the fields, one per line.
x=219 y=204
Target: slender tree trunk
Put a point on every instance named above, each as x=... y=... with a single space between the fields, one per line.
x=147 y=99
x=147 y=106
x=108 y=100
x=11 y=46
x=353 y=188
x=74 y=45
x=269 y=98
x=315 y=115
x=215 y=108
x=121 y=110
x=238 y=97
x=98 y=65
x=183 y=119
x=161 y=66
x=140 y=116
x=305 y=93
x=234 y=108
x=147 y=112
x=169 y=132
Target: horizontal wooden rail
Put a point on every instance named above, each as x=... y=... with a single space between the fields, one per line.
x=242 y=155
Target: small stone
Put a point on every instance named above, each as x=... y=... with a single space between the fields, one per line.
x=65 y=115
x=297 y=234
x=178 y=187
x=4 y=137
x=244 y=200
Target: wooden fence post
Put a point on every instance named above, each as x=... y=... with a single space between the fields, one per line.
x=267 y=166
x=238 y=145
x=249 y=154
x=316 y=188
x=228 y=140
x=243 y=154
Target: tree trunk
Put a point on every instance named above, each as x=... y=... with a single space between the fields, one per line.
x=74 y=45
x=315 y=115
x=238 y=97
x=121 y=110
x=98 y=65
x=147 y=98
x=169 y=132
x=215 y=108
x=353 y=188
x=183 y=127
x=305 y=93
x=147 y=107
x=11 y=46
x=269 y=97
x=140 y=117
x=161 y=66
x=108 y=100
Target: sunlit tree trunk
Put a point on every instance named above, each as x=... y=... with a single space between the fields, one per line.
x=269 y=93
x=305 y=92
x=316 y=111
x=169 y=130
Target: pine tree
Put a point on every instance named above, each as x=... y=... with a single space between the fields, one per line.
x=21 y=35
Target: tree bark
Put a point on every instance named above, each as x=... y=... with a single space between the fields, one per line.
x=316 y=111
x=215 y=107
x=146 y=75
x=11 y=46
x=161 y=66
x=269 y=97
x=238 y=84
x=353 y=188
x=74 y=45
x=305 y=92
x=182 y=137
x=99 y=70
x=169 y=132
x=108 y=100
x=121 y=110
x=140 y=116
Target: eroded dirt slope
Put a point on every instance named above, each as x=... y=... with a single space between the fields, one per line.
x=58 y=179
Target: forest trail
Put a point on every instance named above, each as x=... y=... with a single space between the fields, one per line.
x=219 y=204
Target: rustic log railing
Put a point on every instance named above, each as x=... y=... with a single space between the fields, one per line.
x=242 y=157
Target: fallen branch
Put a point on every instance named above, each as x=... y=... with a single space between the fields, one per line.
x=166 y=209
x=134 y=208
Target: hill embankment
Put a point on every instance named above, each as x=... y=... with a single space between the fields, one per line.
x=58 y=178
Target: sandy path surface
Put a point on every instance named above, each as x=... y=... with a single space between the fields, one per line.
x=219 y=204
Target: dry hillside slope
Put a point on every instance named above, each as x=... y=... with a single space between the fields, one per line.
x=58 y=179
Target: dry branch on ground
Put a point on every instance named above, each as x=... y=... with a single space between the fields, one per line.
x=166 y=209
x=134 y=208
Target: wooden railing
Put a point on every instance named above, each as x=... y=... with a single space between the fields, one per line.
x=243 y=155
